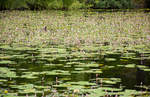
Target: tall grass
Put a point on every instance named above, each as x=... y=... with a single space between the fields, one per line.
x=117 y=29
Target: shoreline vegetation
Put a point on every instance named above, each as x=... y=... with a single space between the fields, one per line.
x=75 y=28
x=72 y=4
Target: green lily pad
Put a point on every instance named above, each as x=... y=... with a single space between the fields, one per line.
x=84 y=71
x=7 y=73
x=109 y=82
x=146 y=69
x=62 y=86
x=90 y=48
x=130 y=65
x=52 y=50
x=3 y=80
x=87 y=65
x=120 y=65
x=20 y=56
x=79 y=69
x=7 y=62
x=41 y=87
x=7 y=47
x=82 y=83
x=5 y=57
x=29 y=76
x=129 y=54
x=142 y=66
x=110 y=59
x=111 y=66
x=11 y=95
x=76 y=87
x=54 y=64
x=26 y=91
x=24 y=49
x=23 y=87
x=56 y=72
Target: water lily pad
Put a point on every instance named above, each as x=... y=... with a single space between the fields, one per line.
x=146 y=69
x=128 y=93
x=87 y=65
x=90 y=48
x=110 y=59
x=79 y=69
x=74 y=87
x=52 y=50
x=83 y=71
x=65 y=79
x=56 y=72
x=74 y=63
x=82 y=83
x=111 y=66
x=7 y=73
x=97 y=93
x=97 y=71
x=11 y=95
x=129 y=55
x=23 y=87
x=29 y=76
x=44 y=56
x=142 y=66
x=112 y=53
x=24 y=49
x=101 y=65
x=6 y=47
x=54 y=64
x=3 y=80
x=41 y=87
x=5 y=57
x=111 y=89
x=20 y=56
x=62 y=86
x=130 y=65
x=120 y=65
x=26 y=91
x=109 y=82
x=7 y=62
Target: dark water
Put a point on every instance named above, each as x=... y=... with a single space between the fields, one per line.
x=72 y=72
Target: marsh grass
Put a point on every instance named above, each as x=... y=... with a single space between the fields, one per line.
x=75 y=28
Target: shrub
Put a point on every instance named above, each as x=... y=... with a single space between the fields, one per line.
x=37 y=4
x=12 y=4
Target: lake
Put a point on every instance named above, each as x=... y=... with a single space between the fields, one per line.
x=75 y=53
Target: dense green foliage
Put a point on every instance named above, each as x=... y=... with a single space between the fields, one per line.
x=67 y=4
x=12 y=4
x=113 y=4
x=37 y=4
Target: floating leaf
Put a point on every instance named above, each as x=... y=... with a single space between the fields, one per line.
x=130 y=65
x=146 y=69
x=7 y=62
x=82 y=83
x=110 y=59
